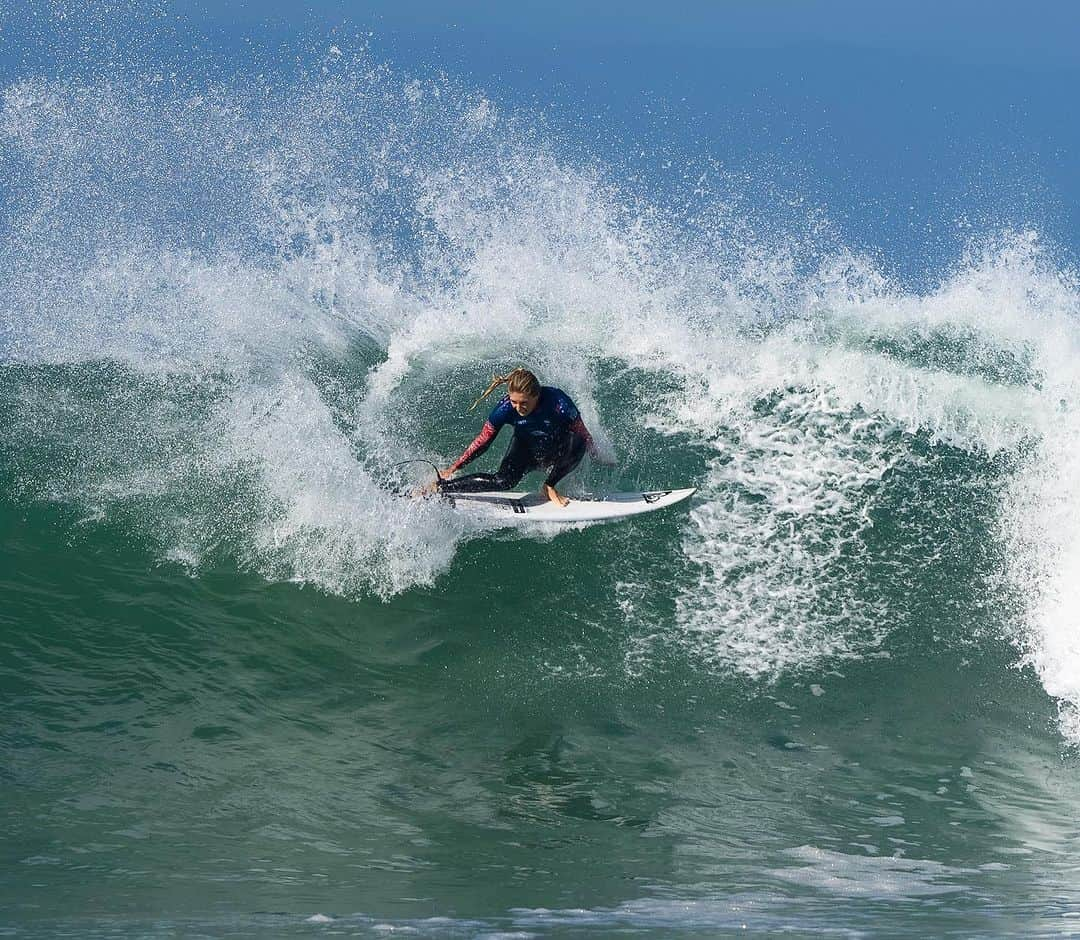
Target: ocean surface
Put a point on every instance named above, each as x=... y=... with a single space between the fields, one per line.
x=248 y=691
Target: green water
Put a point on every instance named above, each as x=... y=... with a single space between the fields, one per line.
x=219 y=755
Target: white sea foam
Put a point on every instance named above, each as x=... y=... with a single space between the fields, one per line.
x=324 y=268
x=872 y=876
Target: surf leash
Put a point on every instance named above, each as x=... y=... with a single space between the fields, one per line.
x=403 y=463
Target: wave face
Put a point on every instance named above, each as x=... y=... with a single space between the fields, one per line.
x=232 y=310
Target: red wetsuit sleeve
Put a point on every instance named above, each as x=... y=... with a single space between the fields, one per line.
x=577 y=426
x=477 y=447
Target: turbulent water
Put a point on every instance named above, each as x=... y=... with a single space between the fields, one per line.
x=248 y=692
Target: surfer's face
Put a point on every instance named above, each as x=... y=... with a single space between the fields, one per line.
x=523 y=403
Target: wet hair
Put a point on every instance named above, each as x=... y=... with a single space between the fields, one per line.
x=520 y=381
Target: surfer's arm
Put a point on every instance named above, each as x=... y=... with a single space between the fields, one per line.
x=577 y=426
x=569 y=411
x=481 y=443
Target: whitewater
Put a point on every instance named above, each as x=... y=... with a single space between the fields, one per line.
x=230 y=311
x=270 y=341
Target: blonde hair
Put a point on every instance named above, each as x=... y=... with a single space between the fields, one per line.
x=520 y=380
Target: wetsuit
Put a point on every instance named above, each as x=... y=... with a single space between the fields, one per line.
x=551 y=436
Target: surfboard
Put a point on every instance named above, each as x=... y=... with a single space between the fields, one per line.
x=536 y=507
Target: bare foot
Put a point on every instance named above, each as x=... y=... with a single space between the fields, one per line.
x=555 y=496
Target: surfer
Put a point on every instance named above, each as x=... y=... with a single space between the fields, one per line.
x=548 y=434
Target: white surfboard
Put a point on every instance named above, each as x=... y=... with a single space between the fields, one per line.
x=536 y=507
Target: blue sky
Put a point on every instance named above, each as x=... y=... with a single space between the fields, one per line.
x=901 y=119
x=906 y=122
x=1035 y=35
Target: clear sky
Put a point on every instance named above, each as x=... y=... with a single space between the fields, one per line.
x=1038 y=35
x=900 y=119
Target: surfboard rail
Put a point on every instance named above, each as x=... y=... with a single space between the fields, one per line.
x=536 y=507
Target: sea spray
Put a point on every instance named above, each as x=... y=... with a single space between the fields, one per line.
x=294 y=288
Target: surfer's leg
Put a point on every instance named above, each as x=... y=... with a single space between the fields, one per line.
x=517 y=462
x=470 y=483
x=567 y=460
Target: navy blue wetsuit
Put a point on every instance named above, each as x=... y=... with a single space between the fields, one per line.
x=551 y=436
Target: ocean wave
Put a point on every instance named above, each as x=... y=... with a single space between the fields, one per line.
x=298 y=288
